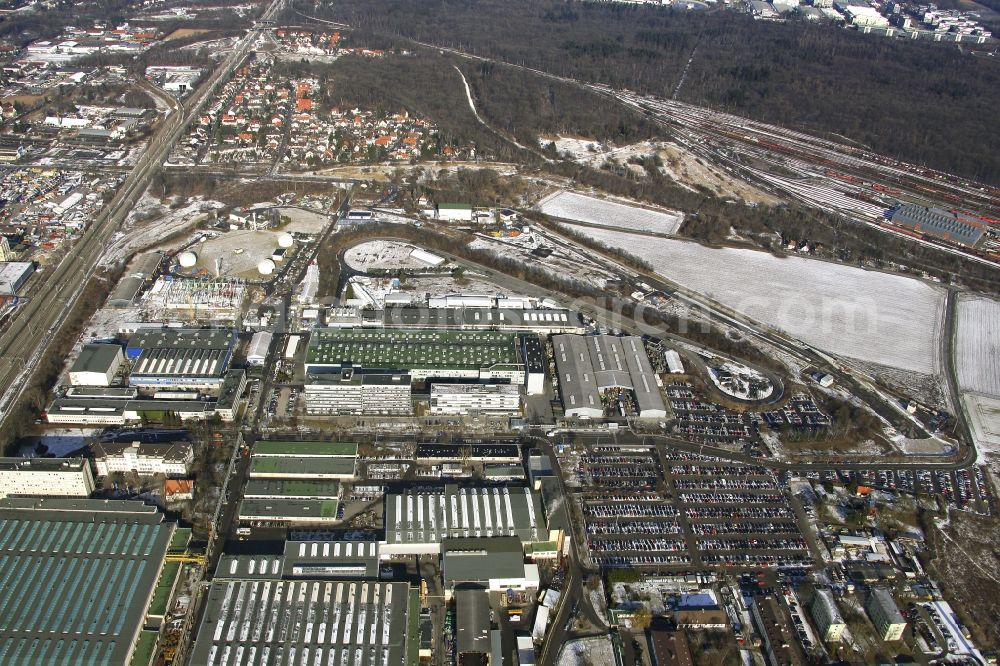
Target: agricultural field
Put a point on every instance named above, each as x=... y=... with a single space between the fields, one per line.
x=579 y=208
x=875 y=317
x=977 y=345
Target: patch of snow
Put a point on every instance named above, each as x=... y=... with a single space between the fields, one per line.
x=977 y=344
x=587 y=651
x=620 y=215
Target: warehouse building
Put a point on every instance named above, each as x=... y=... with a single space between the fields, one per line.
x=827 y=617
x=139 y=275
x=590 y=366
x=351 y=393
x=46 y=477
x=453 y=212
x=170 y=459
x=305 y=449
x=487 y=356
x=80 y=578
x=472 y=626
x=13 y=275
x=185 y=358
x=492 y=564
x=475 y=399
x=259 y=345
x=96 y=365
x=304 y=622
x=417 y=520
x=951 y=226
x=885 y=615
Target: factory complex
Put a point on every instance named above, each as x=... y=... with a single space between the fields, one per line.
x=79 y=578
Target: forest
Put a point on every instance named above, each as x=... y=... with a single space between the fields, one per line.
x=923 y=102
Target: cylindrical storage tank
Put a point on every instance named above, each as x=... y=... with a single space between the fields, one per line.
x=286 y=240
x=187 y=259
x=265 y=267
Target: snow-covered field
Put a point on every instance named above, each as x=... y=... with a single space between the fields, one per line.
x=984 y=420
x=876 y=317
x=587 y=651
x=977 y=345
x=572 y=206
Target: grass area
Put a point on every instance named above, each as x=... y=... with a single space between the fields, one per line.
x=161 y=595
x=302 y=448
x=413 y=629
x=144 y=648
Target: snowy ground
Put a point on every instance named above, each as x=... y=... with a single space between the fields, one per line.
x=977 y=344
x=563 y=262
x=240 y=252
x=572 y=206
x=876 y=317
x=151 y=221
x=384 y=255
x=305 y=221
x=587 y=652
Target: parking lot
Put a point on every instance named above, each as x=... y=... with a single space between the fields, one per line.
x=660 y=509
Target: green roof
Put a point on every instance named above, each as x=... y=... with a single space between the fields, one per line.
x=455 y=206
x=180 y=540
x=144 y=648
x=293 y=510
x=412 y=629
x=403 y=349
x=304 y=448
x=161 y=595
x=289 y=466
x=303 y=488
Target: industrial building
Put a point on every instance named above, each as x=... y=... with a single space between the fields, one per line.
x=417 y=520
x=884 y=614
x=307 y=622
x=475 y=399
x=590 y=366
x=480 y=317
x=827 y=616
x=80 y=577
x=95 y=411
x=493 y=564
x=13 y=275
x=343 y=560
x=487 y=356
x=305 y=449
x=190 y=359
x=96 y=365
x=347 y=393
x=259 y=345
x=949 y=225
x=297 y=467
x=778 y=640
x=170 y=459
x=46 y=477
